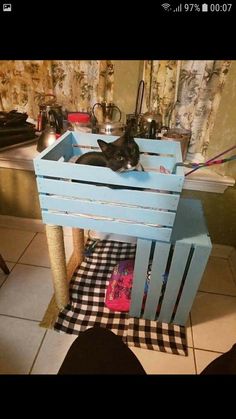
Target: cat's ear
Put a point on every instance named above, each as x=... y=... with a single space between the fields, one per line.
x=103 y=145
x=106 y=148
x=129 y=132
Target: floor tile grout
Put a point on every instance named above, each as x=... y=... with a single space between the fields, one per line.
x=217 y=293
x=208 y=350
x=20 y=318
x=35 y=266
x=37 y=352
x=35 y=234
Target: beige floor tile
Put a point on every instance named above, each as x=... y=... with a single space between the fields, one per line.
x=4 y=276
x=37 y=252
x=218 y=277
x=214 y=322
x=189 y=333
x=204 y=358
x=13 y=243
x=27 y=292
x=52 y=352
x=155 y=362
x=19 y=343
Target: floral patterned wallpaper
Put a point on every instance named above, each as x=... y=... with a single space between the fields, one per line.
x=187 y=94
x=77 y=85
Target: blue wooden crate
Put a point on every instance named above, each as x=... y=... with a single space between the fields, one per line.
x=177 y=268
x=147 y=213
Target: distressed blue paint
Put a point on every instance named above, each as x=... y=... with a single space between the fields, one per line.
x=192 y=282
x=159 y=147
x=129 y=229
x=158 y=269
x=140 y=273
x=136 y=215
x=180 y=256
x=145 y=198
x=103 y=175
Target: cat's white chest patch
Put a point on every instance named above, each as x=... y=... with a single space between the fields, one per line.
x=129 y=166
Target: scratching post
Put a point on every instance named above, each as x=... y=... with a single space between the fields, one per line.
x=58 y=263
x=78 y=242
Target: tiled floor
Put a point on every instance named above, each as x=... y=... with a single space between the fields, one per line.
x=26 y=348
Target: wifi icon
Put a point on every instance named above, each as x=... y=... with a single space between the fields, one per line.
x=165 y=6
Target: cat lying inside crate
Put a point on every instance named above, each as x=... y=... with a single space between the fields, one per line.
x=120 y=155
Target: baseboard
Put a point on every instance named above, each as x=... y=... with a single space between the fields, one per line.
x=221 y=251
x=28 y=224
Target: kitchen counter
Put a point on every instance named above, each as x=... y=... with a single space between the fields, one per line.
x=21 y=157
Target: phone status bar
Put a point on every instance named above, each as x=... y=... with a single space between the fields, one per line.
x=198 y=8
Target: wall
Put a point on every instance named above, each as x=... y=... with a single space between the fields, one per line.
x=220 y=209
x=18 y=193
x=224 y=131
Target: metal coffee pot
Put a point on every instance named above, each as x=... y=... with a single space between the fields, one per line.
x=109 y=111
x=50 y=113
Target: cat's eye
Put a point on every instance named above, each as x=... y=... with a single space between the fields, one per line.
x=119 y=158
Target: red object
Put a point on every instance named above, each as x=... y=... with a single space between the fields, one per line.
x=83 y=117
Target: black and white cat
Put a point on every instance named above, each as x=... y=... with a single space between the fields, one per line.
x=121 y=155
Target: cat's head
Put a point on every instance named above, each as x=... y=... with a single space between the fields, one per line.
x=122 y=154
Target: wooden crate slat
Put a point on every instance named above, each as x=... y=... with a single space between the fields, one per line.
x=178 y=264
x=103 y=175
x=137 y=215
x=192 y=282
x=116 y=227
x=139 y=276
x=145 y=198
x=156 y=279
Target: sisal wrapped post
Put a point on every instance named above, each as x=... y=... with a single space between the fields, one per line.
x=57 y=256
x=78 y=242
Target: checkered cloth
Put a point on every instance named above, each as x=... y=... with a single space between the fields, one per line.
x=87 y=309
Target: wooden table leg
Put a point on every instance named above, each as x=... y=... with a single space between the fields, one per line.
x=57 y=256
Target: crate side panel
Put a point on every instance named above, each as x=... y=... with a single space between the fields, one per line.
x=104 y=175
x=61 y=148
x=136 y=215
x=145 y=145
x=139 y=277
x=82 y=139
x=178 y=264
x=129 y=229
x=156 y=280
x=192 y=282
x=154 y=162
x=105 y=194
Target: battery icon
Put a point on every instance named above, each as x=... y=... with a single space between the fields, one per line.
x=205 y=7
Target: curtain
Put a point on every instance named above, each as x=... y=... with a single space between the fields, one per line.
x=187 y=94
x=77 y=85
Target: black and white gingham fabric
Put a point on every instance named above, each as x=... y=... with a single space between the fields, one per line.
x=87 y=309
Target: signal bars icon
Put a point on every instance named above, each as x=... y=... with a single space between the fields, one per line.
x=178 y=9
